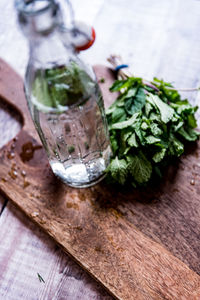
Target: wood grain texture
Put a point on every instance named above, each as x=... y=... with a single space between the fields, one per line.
x=100 y=237
x=25 y=251
x=166 y=213
x=34 y=252
x=10 y=125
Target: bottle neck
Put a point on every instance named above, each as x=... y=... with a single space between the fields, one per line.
x=41 y=21
x=38 y=17
x=48 y=51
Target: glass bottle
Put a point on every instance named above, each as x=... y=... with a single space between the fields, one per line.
x=63 y=98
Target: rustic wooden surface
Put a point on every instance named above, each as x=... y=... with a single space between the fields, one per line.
x=26 y=251
x=63 y=278
x=156 y=38
x=93 y=225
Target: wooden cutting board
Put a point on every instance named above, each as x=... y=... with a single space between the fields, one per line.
x=138 y=244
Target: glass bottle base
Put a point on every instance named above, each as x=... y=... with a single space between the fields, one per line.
x=80 y=175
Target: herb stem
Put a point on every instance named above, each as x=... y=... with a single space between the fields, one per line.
x=184 y=89
x=116 y=60
x=40 y=278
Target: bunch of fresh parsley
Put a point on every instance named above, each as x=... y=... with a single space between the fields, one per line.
x=149 y=124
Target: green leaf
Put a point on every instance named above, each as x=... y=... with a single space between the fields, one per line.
x=159 y=155
x=165 y=92
x=139 y=167
x=176 y=148
x=125 y=124
x=132 y=141
x=144 y=126
x=177 y=126
x=124 y=134
x=192 y=121
x=118 y=169
x=139 y=132
x=111 y=109
x=161 y=82
x=41 y=94
x=148 y=108
x=117 y=85
x=166 y=111
x=124 y=84
x=118 y=115
x=114 y=142
x=151 y=139
x=119 y=102
x=155 y=129
x=189 y=134
x=127 y=150
x=124 y=147
x=184 y=109
x=155 y=117
x=135 y=104
x=141 y=97
x=162 y=144
x=131 y=92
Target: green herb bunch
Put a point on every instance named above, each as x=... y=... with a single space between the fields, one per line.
x=149 y=124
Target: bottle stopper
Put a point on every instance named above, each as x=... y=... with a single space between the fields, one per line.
x=81 y=36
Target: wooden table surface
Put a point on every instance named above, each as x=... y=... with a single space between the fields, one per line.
x=154 y=37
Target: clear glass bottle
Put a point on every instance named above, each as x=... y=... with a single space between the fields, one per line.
x=63 y=98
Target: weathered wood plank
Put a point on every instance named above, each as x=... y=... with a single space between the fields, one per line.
x=10 y=125
x=104 y=243
x=63 y=278
x=25 y=251
x=86 y=241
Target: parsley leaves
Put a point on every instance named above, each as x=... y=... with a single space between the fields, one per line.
x=149 y=124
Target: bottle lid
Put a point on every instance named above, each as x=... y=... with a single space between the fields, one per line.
x=81 y=36
x=86 y=37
